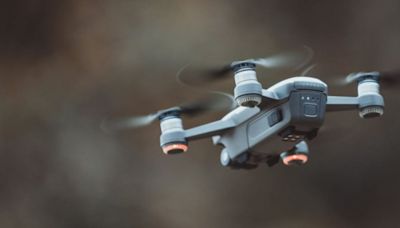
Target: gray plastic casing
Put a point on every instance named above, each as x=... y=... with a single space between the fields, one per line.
x=291 y=112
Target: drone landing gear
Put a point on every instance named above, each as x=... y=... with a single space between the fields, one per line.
x=248 y=160
x=240 y=162
x=297 y=155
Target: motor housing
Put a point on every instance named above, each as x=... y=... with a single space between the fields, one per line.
x=172 y=138
x=248 y=91
x=371 y=102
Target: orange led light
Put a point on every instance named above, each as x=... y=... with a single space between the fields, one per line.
x=295 y=157
x=175 y=148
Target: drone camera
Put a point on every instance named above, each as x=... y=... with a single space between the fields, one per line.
x=248 y=90
x=370 y=99
x=172 y=139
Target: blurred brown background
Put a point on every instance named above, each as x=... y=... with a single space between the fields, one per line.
x=66 y=65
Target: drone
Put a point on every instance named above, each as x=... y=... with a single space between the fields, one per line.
x=265 y=125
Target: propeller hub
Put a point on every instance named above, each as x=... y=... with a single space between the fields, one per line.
x=361 y=77
x=241 y=66
x=169 y=113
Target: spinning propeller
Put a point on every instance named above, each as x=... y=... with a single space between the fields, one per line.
x=385 y=78
x=217 y=101
x=200 y=75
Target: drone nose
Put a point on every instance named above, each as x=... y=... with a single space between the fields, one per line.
x=295 y=159
x=175 y=148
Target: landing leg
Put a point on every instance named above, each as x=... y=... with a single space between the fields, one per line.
x=298 y=155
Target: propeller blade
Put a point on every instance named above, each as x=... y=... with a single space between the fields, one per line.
x=218 y=101
x=202 y=75
x=386 y=78
x=293 y=59
x=110 y=126
x=308 y=70
x=390 y=78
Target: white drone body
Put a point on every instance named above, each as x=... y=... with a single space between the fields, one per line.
x=271 y=124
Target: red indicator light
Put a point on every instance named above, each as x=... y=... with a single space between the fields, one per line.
x=295 y=159
x=175 y=148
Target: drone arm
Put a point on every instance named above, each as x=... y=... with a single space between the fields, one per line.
x=235 y=118
x=340 y=103
x=269 y=94
x=208 y=130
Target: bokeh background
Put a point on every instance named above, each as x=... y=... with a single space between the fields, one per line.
x=66 y=65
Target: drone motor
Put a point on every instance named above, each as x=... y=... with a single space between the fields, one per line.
x=248 y=90
x=371 y=101
x=172 y=138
